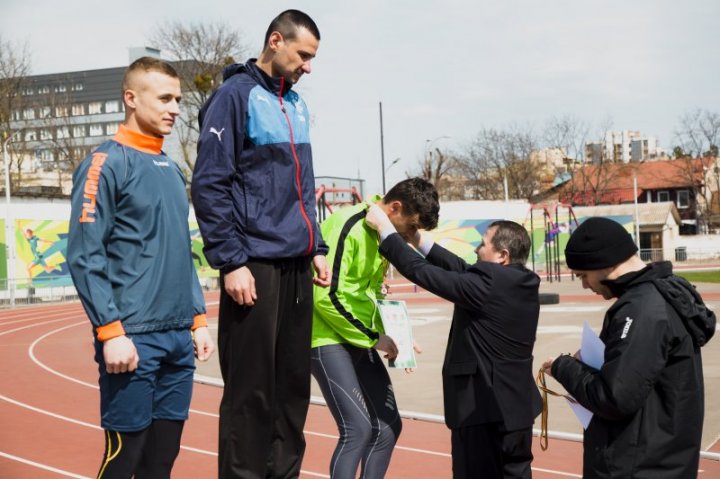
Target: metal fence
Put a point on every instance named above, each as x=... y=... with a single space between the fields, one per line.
x=651 y=254
x=57 y=289
x=54 y=289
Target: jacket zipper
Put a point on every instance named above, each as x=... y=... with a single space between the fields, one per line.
x=297 y=170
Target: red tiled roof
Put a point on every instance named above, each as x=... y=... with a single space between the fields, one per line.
x=613 y=183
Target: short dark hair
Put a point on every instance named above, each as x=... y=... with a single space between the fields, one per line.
x=512 y=237
x=288 y=23
x=418 y=196
x=148 y=64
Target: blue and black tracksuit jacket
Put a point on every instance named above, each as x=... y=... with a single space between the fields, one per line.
x=253 y=187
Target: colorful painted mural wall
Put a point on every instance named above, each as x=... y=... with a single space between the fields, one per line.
x=41 y=253
x=462 y=237
x=41 y=245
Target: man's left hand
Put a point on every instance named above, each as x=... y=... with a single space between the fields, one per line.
x=323 y=275
x=204 y=345
x=547 y=366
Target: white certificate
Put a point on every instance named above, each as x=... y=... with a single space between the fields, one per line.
x=396 y=323
x=592 y=353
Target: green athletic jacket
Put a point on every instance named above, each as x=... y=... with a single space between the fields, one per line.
x=346 y=312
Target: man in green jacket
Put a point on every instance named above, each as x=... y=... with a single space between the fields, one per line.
x=347 y=329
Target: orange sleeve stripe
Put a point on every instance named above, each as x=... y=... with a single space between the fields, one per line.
x=199 y=321
x=109 y=331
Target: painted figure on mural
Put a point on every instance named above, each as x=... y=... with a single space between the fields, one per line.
x=38 y=256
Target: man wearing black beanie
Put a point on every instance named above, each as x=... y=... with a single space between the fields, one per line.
x=647 y=399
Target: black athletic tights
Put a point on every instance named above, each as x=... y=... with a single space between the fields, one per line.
x=148 y=454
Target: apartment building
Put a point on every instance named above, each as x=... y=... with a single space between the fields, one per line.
x=62 y=118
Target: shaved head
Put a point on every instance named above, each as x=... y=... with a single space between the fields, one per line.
x=144 y=65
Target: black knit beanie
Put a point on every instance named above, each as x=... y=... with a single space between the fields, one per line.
x=598 y=243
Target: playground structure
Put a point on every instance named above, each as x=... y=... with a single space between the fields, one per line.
x=328 y=199
x=552 y=230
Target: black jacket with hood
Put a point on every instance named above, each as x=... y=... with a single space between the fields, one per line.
x=648 y=398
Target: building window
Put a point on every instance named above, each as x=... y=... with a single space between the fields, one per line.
x=61 y=111
x=45 y=156
x=95 y=108
x=112 y=106
x=77 y=87
x=63 y=132
x=30 y=135
x=28 y=91
x=44 y=112
x=663 y=195
x=16 y=115
x=45 y=134
x=60 y=88
x=683 y=199
x=111 y=128
x=96 y=130
x=78 y=110
x=44 y=90
x=79 y=131
x=29 y=114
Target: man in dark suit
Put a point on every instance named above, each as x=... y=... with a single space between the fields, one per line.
x=490 y=397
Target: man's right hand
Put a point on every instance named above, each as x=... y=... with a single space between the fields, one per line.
x=240 y=285
x=377 y=219
x=120 y=355
x=386 y=343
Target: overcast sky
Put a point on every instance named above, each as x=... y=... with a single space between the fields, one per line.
x=441 y=68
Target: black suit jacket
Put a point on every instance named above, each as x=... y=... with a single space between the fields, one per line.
x=487 y=374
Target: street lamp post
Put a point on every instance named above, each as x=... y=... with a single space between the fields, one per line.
x=9 y=236
x=391 y=164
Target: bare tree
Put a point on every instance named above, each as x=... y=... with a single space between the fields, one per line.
x=569 y=134
x=15 y=62
x=590 y=182
x=497 y=155
x=57 y=123
x=698 y=134
x=437 y=167
x=200 y=52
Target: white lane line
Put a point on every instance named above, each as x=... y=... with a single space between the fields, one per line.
x=43 y=316
x=94 y=426
x=82 y=423
x=571 y=309
x=17 y=321
x=552 y=471
x=38 y=311
x=214 y=415
x=559 y=330
x=42 y=466
x=31 y=352
x=48 y=413
x=9 y=331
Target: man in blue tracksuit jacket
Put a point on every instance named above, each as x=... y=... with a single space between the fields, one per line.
x=130 y=259
x=253 y=190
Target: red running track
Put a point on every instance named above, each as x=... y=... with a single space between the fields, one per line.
x=50 y=413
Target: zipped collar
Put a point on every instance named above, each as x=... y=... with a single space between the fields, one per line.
x=139 y=141
x=277 y=86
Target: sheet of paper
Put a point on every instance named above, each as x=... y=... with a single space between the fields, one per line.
x=583 y=415
x=592 y=353
x=592 y=349
x=396 y=322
